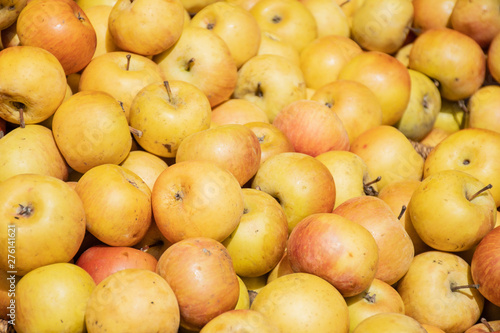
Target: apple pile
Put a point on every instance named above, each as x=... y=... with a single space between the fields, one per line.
x=250 y=165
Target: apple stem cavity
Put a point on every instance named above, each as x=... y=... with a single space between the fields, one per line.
x=488 y=326
x=169 y=91
x=135 y=131
x=128 y=56
x=24 y=211
x=487 y=187
x=401 y=213
x=276 y=19
x=370 y=298
x=465 y=286
x=259 y=92
x=190 y=64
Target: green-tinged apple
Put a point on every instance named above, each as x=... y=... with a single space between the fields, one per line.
x=484 y=327
x=120 y=74
x=312 y=127
x=98 y=16
x=60 y=27
x=379 y=297
x=7 y=292
x=438 y=290
x=451 y=117
x=354 y=103
x=258 y=243
x=451 y=57
x=146 y=165
x=90 y=129
x=235 y=25
x=166 y=113
x=452 y=211
x=242 y=320
x=322 y=59
x=422 y=109
x=493 y=58
x=42 y=218
x=237 y=111
x=403 y=54
x=127 y=199
x=430 y=14
x=388 y=78
x=85 y=4
x=233 y=147
x=484 y=107
x=479 y=19
x=282 y=268
x=382 y=25
x=271 y=82
x=272 y=140
x=280 y=175
x=197 y=199
x=53 y=297
x=9 y=12
x=389 y=322
x=203 y=59
x=31 y=150
x=329 y=16
x=350 y=174
x=23 y=99
x=194 y=266
x=475 y=151
x=153 y=241
x=303 y=303
x=340 y=251
x=141 y=27
x=135 y=300
x=484 y=266
x=288 y=19
x=395 y=247
x=388 y=154
x=270 y=43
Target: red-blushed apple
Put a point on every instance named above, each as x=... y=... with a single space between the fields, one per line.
x=244 y=320
x=312 y=127
x=304 y=303
x=429 y=14
x=237 y=111
x=62 y=28
x=98 y=16
x=43 y=222
x=272 y=140
x=483 y=108
x=484 y=266
x=23 y=100
x=197 y=199
x=493 y=58
x=31 y=150
x=336 y=249
x=194 y=266
x=272 y=44
x=102 y=261
x=279 y=177
x=146 y=165
x=127 y=200
x=389 y=322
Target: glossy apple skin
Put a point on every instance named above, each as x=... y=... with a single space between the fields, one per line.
x=485 y=266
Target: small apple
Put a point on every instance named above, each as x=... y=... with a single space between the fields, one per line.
x=237 y=111
x=484 y=327
x=270 y=43
x=329 y=16
x=145 y=165
x=272 y=140
x=451 y=118
x=153 y=241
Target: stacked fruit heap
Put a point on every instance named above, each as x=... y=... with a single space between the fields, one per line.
x=250 y=166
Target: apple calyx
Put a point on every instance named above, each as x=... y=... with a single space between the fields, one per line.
x=465 y=286
x=24 y=211
x=488 y=326
x=487 y=187
x=276 y=19
x=368 y=188
x=135 y=131
x=145 y=248
x=370 y=298
x=425 y=101
x=210 y=26
x=258 y=91
x=179 y=195
x=128 y=56
x=403 y=210
x=190 y=64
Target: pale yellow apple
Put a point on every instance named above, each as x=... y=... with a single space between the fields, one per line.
x=389 y=322
x=272 y=140
x=484 y=108
x=246 y=4
x=451 y=118
x=244 y=299
x=429 y=14
x=270 y=43
x=237 y=111
x=85 y=4
x=194 y=6
x=329 y=16
x=145 y=165
x=98 y=16
x=403 y=54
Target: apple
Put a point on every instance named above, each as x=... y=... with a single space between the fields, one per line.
x=422 y=109
x=60 y=27
x=272 y=140
x=288 y=19
x=98 y=16
x=388 y=78
x=43 y=220
x=166 y=113
x=9 y=37
x=432 y=329
x=403 y=54
x=451 y=118
x=90 y=129
x=23 y=100
x=482 y=105
x=322 y=59
x=31 y=150
x=389 y=322
x=244 y=320
x=120 y=74
x=146 y=165
x=53 y=297
x=483 y=265
x=329 y=16
x=485 y=326
x=282 y=268
x=379 y=297
x=244 y=297
x=382 y=25
x=493 y=58
x=9 y=12
x=117 y=204
x=197 y=198
x=233 y=147
x=440 y=54
x=340 y=251
x=434 y=137
x=215 y=72
x=279 y=176
x=194 y=266
x=437 y=290
x=271 y=82
x=271 y=43
x=141 y=27
x=389 y=154
x=430 y=14
x=472 y=150
x=85 y=4
x=312 y=127
x=237 y=111
x=135 y=300
x=235 y=25
x=354 y=103
x=304 y=303
x=194 y=6
x=153 y=242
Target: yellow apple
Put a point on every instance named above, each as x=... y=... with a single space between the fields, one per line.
x=451 y=118
x=403 y=54
x=145 y=165
x=483 y=108
x=429 y=14
x=434 y=137
x=329 y=16
x=240 y=321
x=98 y=16
x=270 y=43
x=237 y=111
x=493 y=59
x=272 y=140
x=389 y=322
x=244 y=298
x=282 y=268
x=85 y=4
x=9 y=11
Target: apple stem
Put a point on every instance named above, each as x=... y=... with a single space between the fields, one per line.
x=368 y=188
x=463 y=106
x=466 y=286
x=147 y=247
x=487 y=187
x=344 y=3
x=371 y=298
x=128 y=56
x=376 y=180
x=488 y=326
x=403 y=210
x=135 y=131
x=80 y=17
x=169 y=91
x=21 y=117
x=190 y=64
